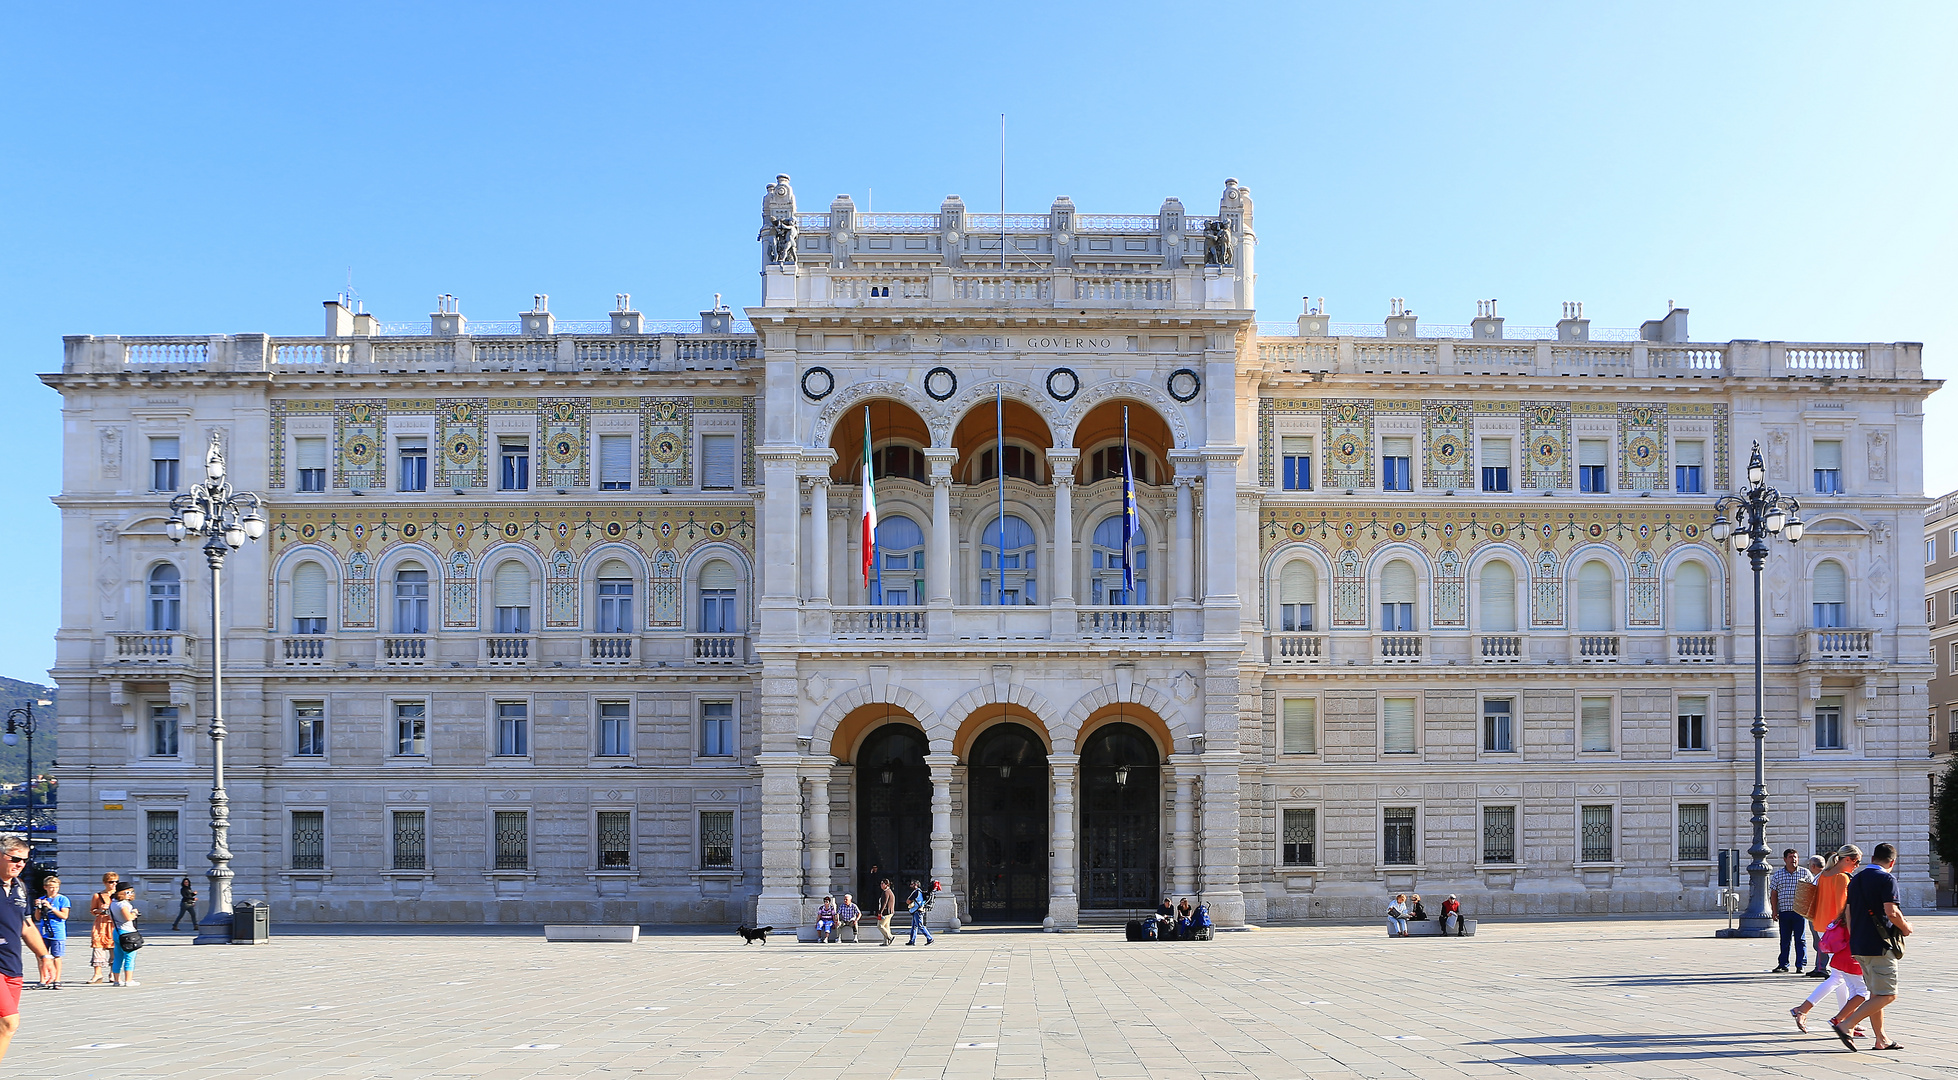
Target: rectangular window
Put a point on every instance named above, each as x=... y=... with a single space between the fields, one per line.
x=1495 y=464
x=160 y=840
x=717 y=729
x=1397 y=836
x=1301 y=837
x=1296 y=458
x=1498 y=834
x=720 y=462
x=1497 y=726
x=1594 y=723
x=1397 y=714
x=1301 y=722
x=1954 y=658
x=614 y=729
x=1828 y=467
x=614 y=840
x=513 y=464
x=309 y=462
x=1931 y=549
x=512 y=840
x=163 y=730
x=717 y=839
x=1692 y=723
x=308 y=840
x=411 y=601
x=513 y=620
x=414 y=464
x=1597 y=834
x=1688 y=467
x=1593 y=459
x=1828 y=723
x=1693 y=833
x=615 y=606
x=615 y=463
x=1831 y=825
x=309 y=728
x=411 y=729
x=164 y=463
x=1396 y=464
x=512 y=729
x=410 y=840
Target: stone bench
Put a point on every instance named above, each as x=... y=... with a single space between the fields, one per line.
x=1432 y=928
x=575 y=932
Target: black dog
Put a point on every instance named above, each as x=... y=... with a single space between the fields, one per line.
x=753 y=934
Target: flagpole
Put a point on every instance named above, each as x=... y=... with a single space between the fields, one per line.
x=999 y=474
x=1128 y=515
x=869 y=511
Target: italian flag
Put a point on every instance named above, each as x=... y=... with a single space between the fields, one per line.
x=869 y=505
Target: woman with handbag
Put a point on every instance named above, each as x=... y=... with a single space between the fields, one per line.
x=1845 y=979
x=124 y=912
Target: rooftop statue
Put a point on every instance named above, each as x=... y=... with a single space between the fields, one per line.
x=778 y=229
x=1217 y=243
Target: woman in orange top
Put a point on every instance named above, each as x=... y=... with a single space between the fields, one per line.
x=102 y=935
x=1832 y=890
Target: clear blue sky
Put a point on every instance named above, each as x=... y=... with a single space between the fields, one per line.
x=1785 y=170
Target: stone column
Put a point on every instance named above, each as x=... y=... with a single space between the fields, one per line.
x=1182 y=550
x=1062 y=461
x=945 y=910
x=1063 y=903
x=938 y=565
x=1183 y=849
x=819 y=539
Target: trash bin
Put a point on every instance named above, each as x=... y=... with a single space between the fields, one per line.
x=251 y=922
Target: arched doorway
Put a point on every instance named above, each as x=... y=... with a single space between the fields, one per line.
x=893 y=811
x=1121 y=819
x=1006 y=839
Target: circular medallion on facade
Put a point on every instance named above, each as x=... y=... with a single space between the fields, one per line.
x=1063 y=384
x=564 y=448
x=1184 y=384
x=563 y=530
x=1692 y=531
x=715 y=528
x=817 y=383
x=1549 y=531
x=306 y=531
x=1548 y=450
x=665 y=530
x=1399 y=528
x=940 y=383
x=462 y=532
x=666 y=448
x=359 y=531
x=1348 y=530
x=408 y=530
x=1448 y=530
x=1645 y=532
x=1447 y=453
x=612 y=528
x=359 y=452
x=1347 y=451
x=1298 y=528
x=1596 y=530
x=1643 y=450
x=462 y=449
x=510 y=529
x=1496 y=530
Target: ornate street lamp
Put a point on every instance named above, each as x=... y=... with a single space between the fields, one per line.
x=226 y=519
x=21 y=722
x=1758 y=510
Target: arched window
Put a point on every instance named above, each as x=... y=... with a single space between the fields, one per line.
x=1498 y=612
x=1594 y=596
x=1007 y=578
x=614 y=598
x=1298 y=588
x=718 y=582
x=900 y=577
x=309 y=599
x=1107 y=462
x=898 y=459
x=1397 y=597
x=1107 y=574
x=1691 y=598
x=166 y=598
x=1021 y=461
x=511 y=592
x=1831 y=595
x=410 y=600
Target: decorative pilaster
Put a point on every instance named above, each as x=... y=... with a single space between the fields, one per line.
x=1220 y=554
x=1182 y=549
x=781 y=522
x=1183 y=844
x=1063 y=903
x=818 y=844
x=946 y=908
x=780 y=902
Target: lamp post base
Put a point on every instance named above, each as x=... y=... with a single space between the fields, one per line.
x=214 y=930
x=1745 y=932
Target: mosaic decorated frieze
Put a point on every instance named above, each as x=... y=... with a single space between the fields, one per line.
x=1348 y=441
x=361 y=539
x=1642 y=450
x=1546 y=445
x=1451 y=540
x=1448 y=457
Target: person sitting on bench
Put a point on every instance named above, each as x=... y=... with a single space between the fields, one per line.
x=1451 y=908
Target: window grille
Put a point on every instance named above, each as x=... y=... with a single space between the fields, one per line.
x=1301 y=722
x=614 y=839
x=716 y=839
x=1831 y=825
x=1597 y=834
x=1397 y=836
x=512 y=840
x=1498 y=834
x=308 y=840
x=410 y=842
x=1301 y=837
x=1693 y=833
x=161 y=840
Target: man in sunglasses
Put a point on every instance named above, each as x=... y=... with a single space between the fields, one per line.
x=15 y=927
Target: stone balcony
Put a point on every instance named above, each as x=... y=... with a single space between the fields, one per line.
x=159 y=651
x=470 y=650
x=1538 y=352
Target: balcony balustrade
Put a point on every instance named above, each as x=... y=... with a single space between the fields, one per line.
x=1597 y=648
x=1398 y=648
x=875 y=623
x=717 y=648
x=1297 y=648
x=1129 y=623
x=1696 y=648
x=1502 y=648
x=508 y=650
x=1839 y=644
x=159 y=649
x=403 y=651
x=609 y=650
x=306 y=650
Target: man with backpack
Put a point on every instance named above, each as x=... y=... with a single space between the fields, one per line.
x=920 y=904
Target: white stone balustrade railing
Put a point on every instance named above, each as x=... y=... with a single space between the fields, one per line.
x=410 y=651
x=415 y=354
x=717 y=648
x=1838 y=644
x=1597 y=648
x=1695 y=648
x=508 y=650
x=1398 y=648
x=877 y=622
x=156 y=649
x=610 y=649
x=1123 y=622
x=1294 y=648
x=306 y=650
x=1502 y=648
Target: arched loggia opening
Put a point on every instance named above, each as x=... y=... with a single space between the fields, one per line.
x=977 y=437
x=1006 y=781
x=1121 y=819
x=893 y=810
x=1099 y=438
x=898 y=438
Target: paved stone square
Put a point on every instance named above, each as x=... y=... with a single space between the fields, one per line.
x=1619 y=998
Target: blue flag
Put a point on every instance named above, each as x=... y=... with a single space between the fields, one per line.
x=1130 y=525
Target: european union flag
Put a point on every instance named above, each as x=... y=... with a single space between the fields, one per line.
x=1130 y=521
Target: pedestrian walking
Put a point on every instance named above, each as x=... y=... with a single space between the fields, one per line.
x=186 y=905
x=123 y=910
x=102 y=931
x=1877 y=928
x=1846 y=980
x=919 y=904
x=1831 y=893
x=848 y=914
x=886 y=908
x=16 y=931
x=51 y=919
x=1781 y=898
x=1817 y=866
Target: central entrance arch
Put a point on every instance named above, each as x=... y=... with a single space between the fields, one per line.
x=1121 y=823
x=893 y=811
x=1006 y=782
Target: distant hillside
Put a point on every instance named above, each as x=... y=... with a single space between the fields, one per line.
x=13 y=759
